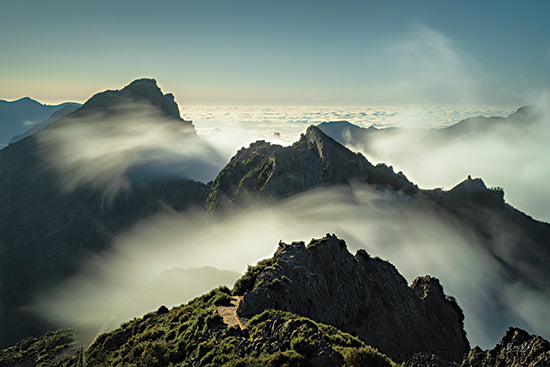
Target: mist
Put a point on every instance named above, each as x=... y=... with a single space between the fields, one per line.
x=513 y=156
x=109 y=150
x=412 y=237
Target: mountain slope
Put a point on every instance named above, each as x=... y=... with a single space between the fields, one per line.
x=517 y=246
x=17 y=116
x=361 y=295
x=47 y=232
x=196 y=334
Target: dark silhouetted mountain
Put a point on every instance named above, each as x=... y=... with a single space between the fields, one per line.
x=139 y=91
x=316 y=160
x=17 y=116
x=360 y=295
x=63 y=111
x=47 y=232
x=516 y=349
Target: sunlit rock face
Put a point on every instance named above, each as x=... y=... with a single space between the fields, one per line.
x=361 y=295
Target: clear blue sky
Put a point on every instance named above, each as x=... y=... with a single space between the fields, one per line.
x=280 y=52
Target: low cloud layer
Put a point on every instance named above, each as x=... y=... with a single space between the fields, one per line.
x=415 y=239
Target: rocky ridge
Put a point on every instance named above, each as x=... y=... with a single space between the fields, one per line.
x=361 y=295
x=196 y=334
x=516 y=349
x=139 y=91
x=316 y=160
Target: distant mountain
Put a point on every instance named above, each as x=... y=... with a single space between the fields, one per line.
x=47 y=232
x=352 y=135
x=516 y=242
x=18 y=116
x=296 y=309
x=45 y=123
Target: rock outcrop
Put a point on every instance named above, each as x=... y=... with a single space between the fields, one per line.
x=316 y=160
x=361 y=295
x=516 y=349
x=139 y=91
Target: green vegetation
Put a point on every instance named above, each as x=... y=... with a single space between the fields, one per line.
x=247 y=281
x=246 y=173
x=195 y=334
x=41 y=351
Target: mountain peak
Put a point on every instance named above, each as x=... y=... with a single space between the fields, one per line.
x=139 y=91
x=359 y=294
x=475 y=189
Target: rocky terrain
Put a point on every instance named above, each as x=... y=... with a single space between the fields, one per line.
x=516 y=349
x=268 y=170
x=47 y=233
x=360 y=295
x=518 y=244
x=417 y=322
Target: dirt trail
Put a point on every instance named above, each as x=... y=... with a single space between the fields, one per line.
x=229 y=313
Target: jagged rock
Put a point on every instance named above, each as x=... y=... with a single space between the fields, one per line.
x=139 y=91
x=516 y=349
x=428 y=360
x=361 y=295
x=316 y=160
x=474 y=189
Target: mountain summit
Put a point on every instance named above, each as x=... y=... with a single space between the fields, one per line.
x=361 y=295
x=139 y=91
x=316 y=160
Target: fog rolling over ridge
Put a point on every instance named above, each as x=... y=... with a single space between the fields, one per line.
x=130 y=142
x=512 y=153
x=410 y=235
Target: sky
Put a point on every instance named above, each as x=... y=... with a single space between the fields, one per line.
x=297 y=52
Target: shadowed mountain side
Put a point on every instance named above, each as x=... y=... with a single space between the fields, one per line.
x=361 y=295
x=46 y=232
x=139 y=91
x=17 y=116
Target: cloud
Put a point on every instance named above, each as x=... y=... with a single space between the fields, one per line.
x=413 y=237
x=427 y=67
x=512 y=156
x=101 y=150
